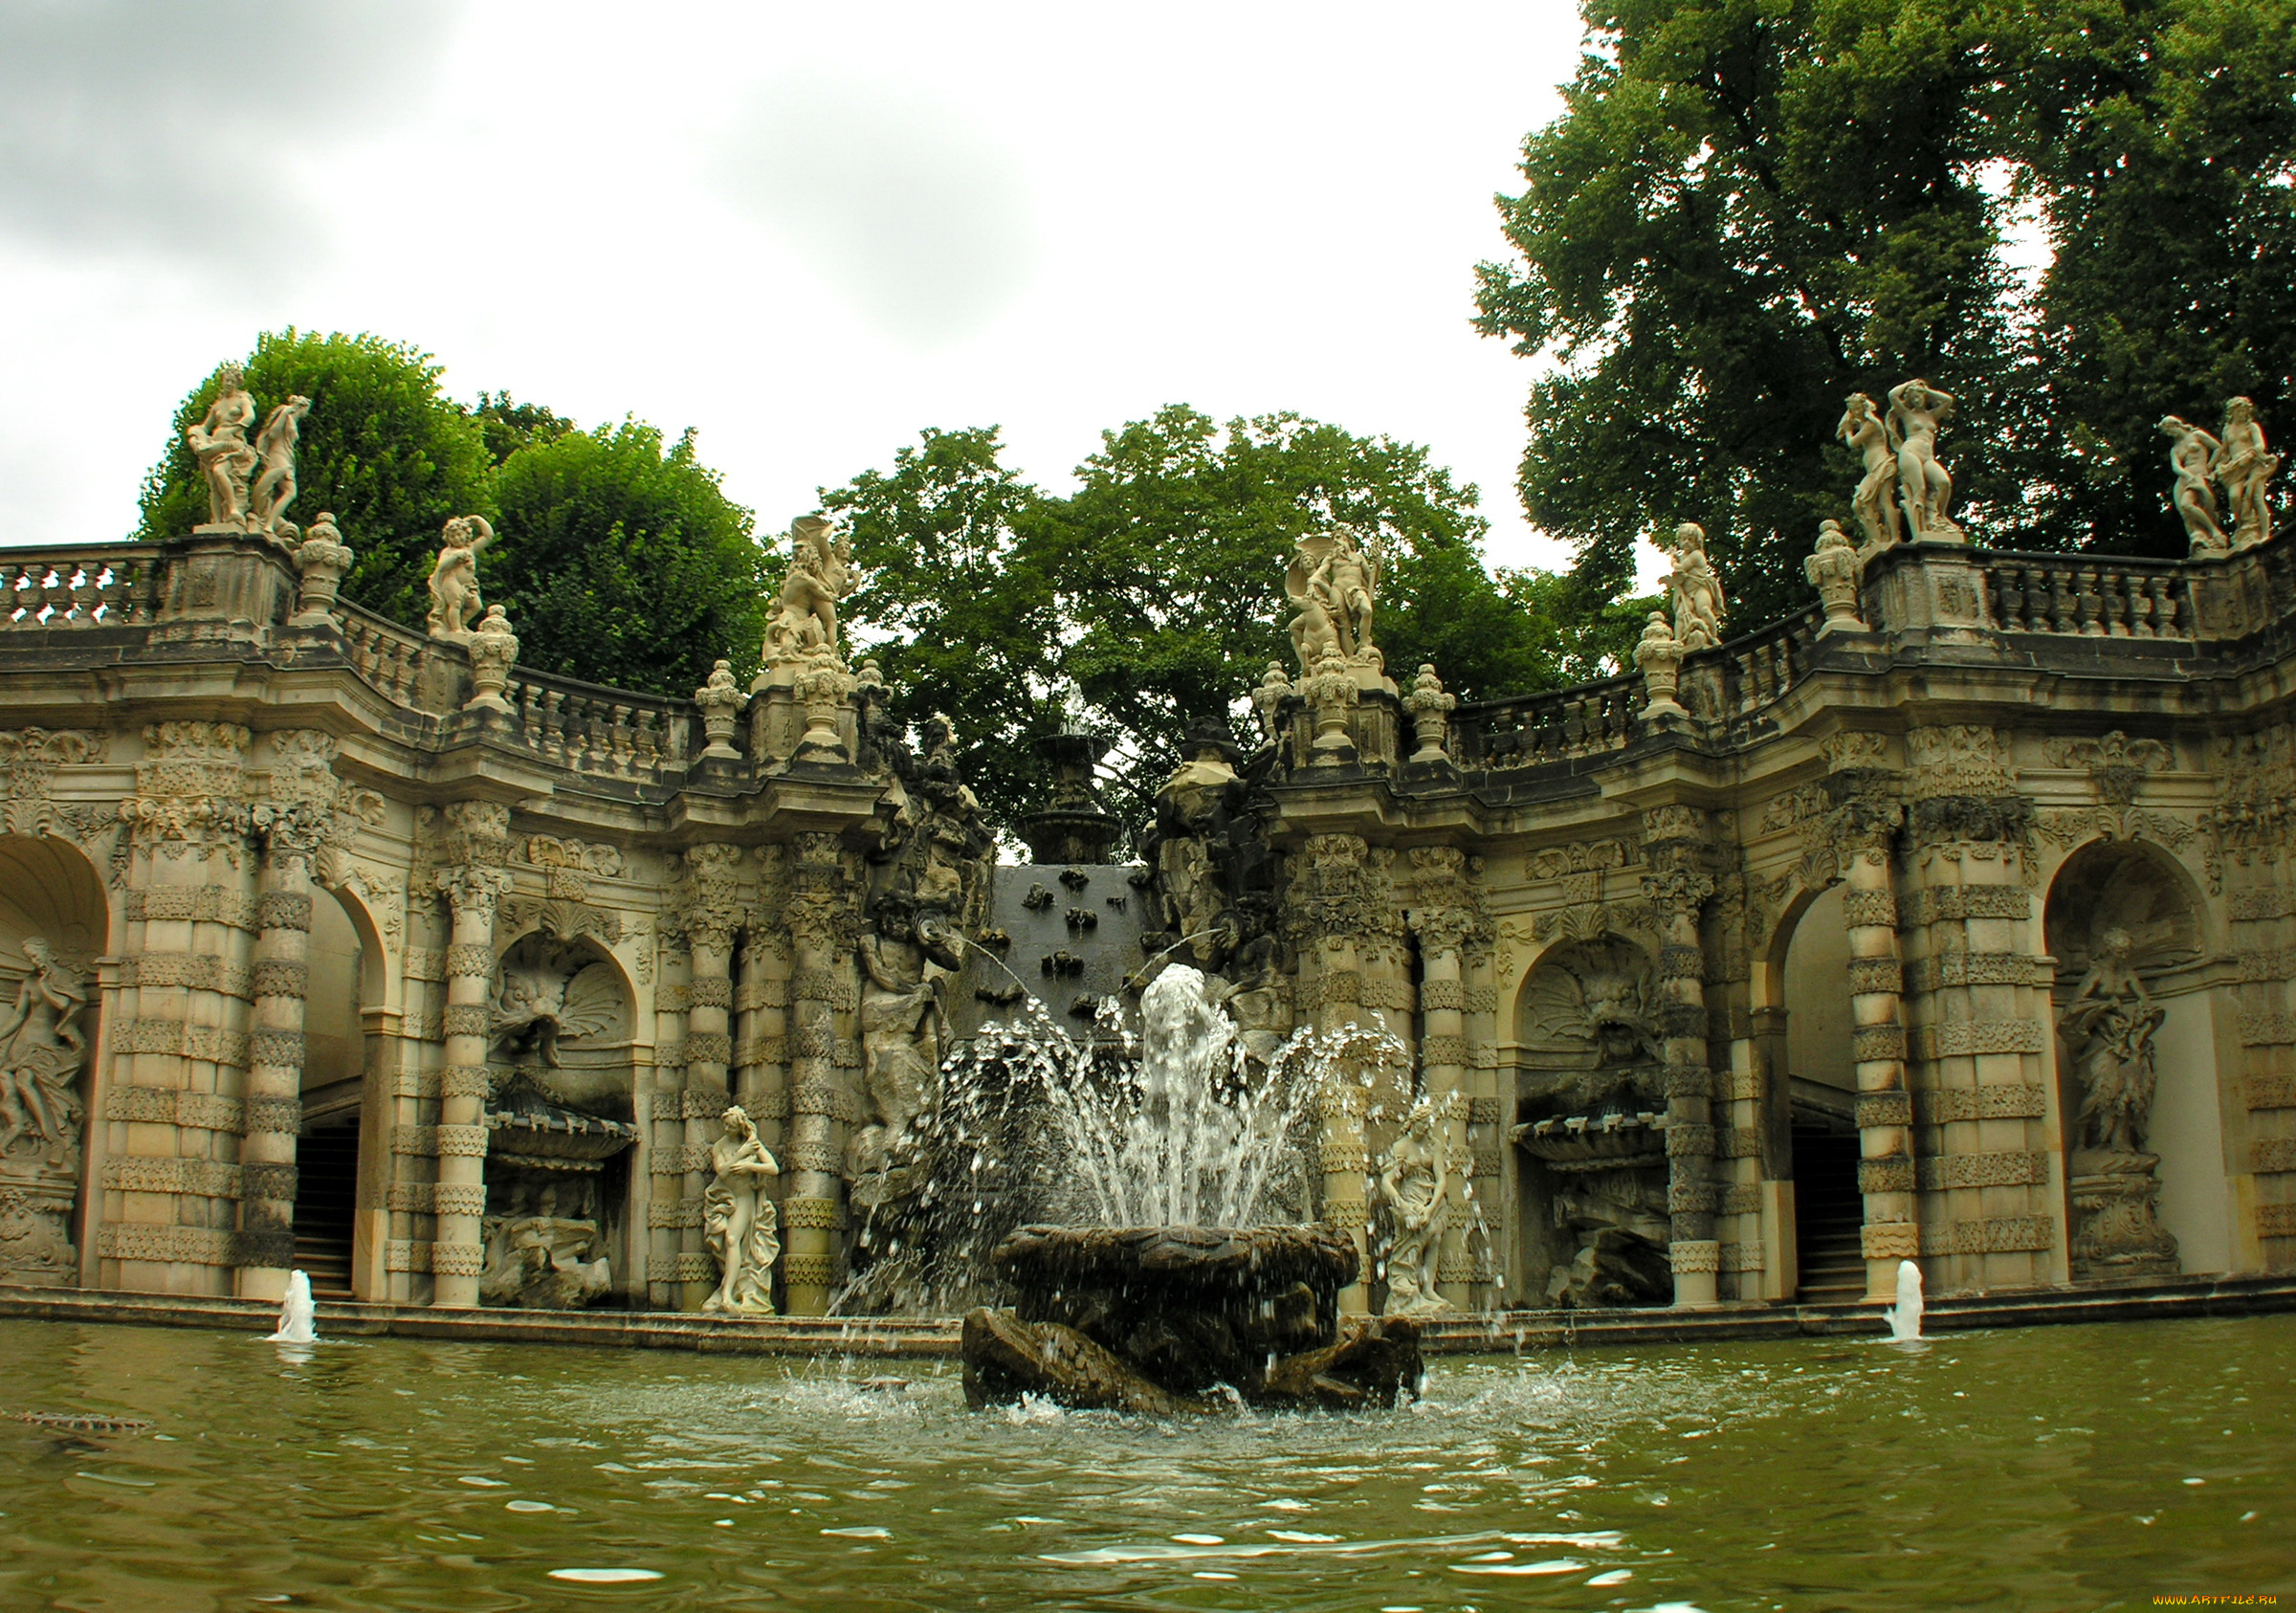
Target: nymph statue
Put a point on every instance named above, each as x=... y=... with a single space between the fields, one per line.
x=2192 y=456
x=738 y=1220
x=1695 y=588
x=274 y=483
x=41 y=1050
x=1917 y=411
x=456 y=607
x=2110 y=1025
x=2243 y=467
x=1864 y=429
x=219 y=443
x=1415 y=1185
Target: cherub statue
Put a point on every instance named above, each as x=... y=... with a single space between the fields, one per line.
x=275 y=484
x=456 y=607
x=1864 y=430
x=1696 y=591
x=804 y=621
x=2108 y=1025
x=41 y=1050
x=2243 y=467
x=1917 y=411
x=1415 y=1185
x=219 y=443
x=2193 y=455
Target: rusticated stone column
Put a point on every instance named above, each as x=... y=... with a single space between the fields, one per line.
x=822 y=931
x=1884 y=1111
x=1443 y=916
x=478 y=831
x=674 y=1256
x=1490 y=1222
x=709 y=897
x=1331 y=905
x=1678 y=885
x=275 y=1076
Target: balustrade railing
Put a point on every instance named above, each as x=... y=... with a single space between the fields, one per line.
x=607 y=733
x=111 y=585
x=2088 y=595
x=386 y=655
x=1762 y=666
x=1535 y=729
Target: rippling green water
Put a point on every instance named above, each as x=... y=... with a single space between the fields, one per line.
x=2042 y=1468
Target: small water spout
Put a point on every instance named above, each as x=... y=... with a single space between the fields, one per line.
x=297 y=1314
x=1904 y=1317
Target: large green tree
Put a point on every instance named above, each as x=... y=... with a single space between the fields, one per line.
x=1750 y=209
x=382 y=448
x=623 y=562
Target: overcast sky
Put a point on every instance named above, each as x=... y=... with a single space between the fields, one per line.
x=806 y=230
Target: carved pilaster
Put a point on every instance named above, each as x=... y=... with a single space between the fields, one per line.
x=1677 y=885
x=823 y=922
x=480 y=831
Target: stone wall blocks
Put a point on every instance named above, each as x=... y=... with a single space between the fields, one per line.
x=2014 y=1102
x=1889 y=1240
x=2015 y=1234
x=283 y=1116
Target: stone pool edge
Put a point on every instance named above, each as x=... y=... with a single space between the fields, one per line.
x=1496 y=1333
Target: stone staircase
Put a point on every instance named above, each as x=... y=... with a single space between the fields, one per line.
x=327 y=1184
x=1828 y=1211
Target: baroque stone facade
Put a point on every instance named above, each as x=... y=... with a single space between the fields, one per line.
x=1952 y=921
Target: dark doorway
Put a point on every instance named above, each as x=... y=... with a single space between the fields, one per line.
x=1828 y=1210
x=326 y=1200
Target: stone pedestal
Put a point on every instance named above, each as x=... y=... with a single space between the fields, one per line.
x=2116 y=1221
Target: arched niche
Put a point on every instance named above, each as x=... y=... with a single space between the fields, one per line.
x=54 y=923
x=2129 y=904
x=562 y=1227
x=1809 y=1053
x=1590 y=1089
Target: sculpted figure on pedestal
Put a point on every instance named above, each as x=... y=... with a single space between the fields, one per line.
x=804 y=619
x=456 y=607
x=274 y=483
x=1333 y=581
x=2243 y=466
x=1695 y=589
x=1415 y=1185
x=2110 y=1025
x=738 y=1220
x=1917 y=411
x=41 y=1051
x=1864 y=430
x=2192 y=456
x=219 y=443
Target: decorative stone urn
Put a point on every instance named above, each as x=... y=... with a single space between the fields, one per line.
x=720 y=703
x=1430 y=710
x=1658 y=657
x=323 y=559
x=1833 y=568
x=1331 y=693
x=493 y=648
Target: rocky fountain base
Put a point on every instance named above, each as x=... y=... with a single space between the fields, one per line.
x=1164 y=1320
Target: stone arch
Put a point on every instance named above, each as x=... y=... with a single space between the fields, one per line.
x=1803 y=1034
x=54 y=921
x=2135 y=1046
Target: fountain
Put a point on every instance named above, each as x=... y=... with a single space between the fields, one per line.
x=297 y=1314
x=1904 y=1317
x=1181 y=1273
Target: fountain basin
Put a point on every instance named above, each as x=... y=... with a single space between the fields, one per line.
x=1156 y=1320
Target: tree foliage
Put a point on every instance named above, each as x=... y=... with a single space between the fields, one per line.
x=624 y=563
x=1750 y=209
x=382 y=448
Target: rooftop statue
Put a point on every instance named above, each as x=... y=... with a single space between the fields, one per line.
x=1695 y=589
x=219 y=443
x=1334 y=580
x=1864 y=430
x=455 y=607
x=1917 y=411
x=2193 y=455
x=274 y=483
x=2243 y=466
x=821 y=573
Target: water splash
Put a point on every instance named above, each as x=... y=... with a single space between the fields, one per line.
x=1904 y=1317
x=297 y=1314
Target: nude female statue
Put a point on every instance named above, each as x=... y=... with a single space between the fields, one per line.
x=274 y=486
x=2243 y=467
x=1864 y=430
x=1415 y=1182
x=41 y=1050
x=2192 y=455
x=219 y=443
x=738 y=1220
x=1916 y=411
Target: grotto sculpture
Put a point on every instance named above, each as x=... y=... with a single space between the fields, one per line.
x=542 y=1260
x=2245 y=466
x=41 y=1051
x=1415 y=1185
x=225 y=459
x=455 y=607
x=541 y=1002
x=2108 y=1027
x=2193 y=457
x=1917 y=411
x=274 y=483
x=739 y=1220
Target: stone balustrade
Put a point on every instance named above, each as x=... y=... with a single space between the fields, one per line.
x=2093 y=596
x=606 y=733
x=1531 y=731
x=108 y=584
